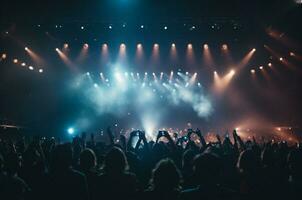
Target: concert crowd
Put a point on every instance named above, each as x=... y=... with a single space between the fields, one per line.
x=171 y=167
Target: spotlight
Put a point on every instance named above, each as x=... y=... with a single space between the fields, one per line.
x=87 y=73
x=292 y=54
x=139 y=46
x=85 y=46
x=232 y=72
x=110 y=27
x=123 y=46
x=190 y=46
x=269 y=64
x=31 y=68
x=57 y=50
x=253 y=50
x=224 y=47
x=3 y=56
x=206 y=46
x=70 y=131
x=26 y=49
x=23 y=64
x=41 y=70
x=146 y=73
x=281 y=59
x=165 y=27
x=15 y=60
x=173 y=45
x=65 y=46
x=156 y=45
x=253 y=71
x=187 y=73
x=82 y=27
x=142 y=26
x=95 y=85
x=215 y=72
x=261 y=67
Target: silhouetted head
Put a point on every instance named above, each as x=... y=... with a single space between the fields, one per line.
x=248 y=162
x=12 y=163
x=165 y=175
x=207 y=168
x=267 y=157
x=62 y=157
x=187 y=158
x=295 y=163
x=115 y=161
x=87 y=159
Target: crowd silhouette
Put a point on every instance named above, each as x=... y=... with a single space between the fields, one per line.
x=168 y=168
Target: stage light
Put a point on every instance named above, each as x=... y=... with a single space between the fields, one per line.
x=139 y=46
x=253 y=71
x=88 y=73
x=15 y=60
x=261 y=67
x=224 y=47
x=146 y=73
x=31 y=68
x=65 y=46
x=187 y=73
x=41 y=70
x=70 y=131
x=82 y=27
x=206 y=46
x=3 y=56
x=156 y=45
x=142 y=26
x=190 y=46
x=232 y=72
x=173 y=45
x=215 y=72
x=85 y=46
x=57 y=50
x=26 y=48
x=269 y=64
x=253 y=50
x=281 y=59
x=110 y=27
x=292 y=54
x=123 y=46
x=165 y=27
x=23 y=64
x=95 y=85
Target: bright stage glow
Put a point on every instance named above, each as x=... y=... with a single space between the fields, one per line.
x=144 y=97
x=31 y=68
x=40 y=70
x=26 y=49
x=224 y=47
x=253 y=71
x=70 y=131
x=15 y=61
x=3 y=56
x=23 y=64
